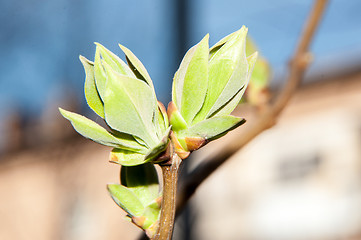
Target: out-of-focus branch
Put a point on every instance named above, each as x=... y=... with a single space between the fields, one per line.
x=268 y=117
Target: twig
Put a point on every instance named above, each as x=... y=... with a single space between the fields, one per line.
x=267 y=118
x=170 y=180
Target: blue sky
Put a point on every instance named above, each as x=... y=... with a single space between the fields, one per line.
x=41 y=40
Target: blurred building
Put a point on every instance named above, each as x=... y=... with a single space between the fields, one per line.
x=299 y=180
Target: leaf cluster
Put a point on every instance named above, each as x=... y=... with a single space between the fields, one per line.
x=206 y=88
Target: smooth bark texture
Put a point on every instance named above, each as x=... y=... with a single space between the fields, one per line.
x=168 y=207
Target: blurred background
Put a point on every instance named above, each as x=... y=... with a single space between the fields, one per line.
x=298 y=180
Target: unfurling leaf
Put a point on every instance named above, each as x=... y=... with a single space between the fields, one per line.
x=138 y=195
x=212 y=128
x=258 y=92
x=191 y=80
x=137 y=67
x=129 y=105
x=217 y=86
x=95 y=132
x=124 y=97
x=126 y=157
x=126 y=199
x=142 y=180
x=90 y=89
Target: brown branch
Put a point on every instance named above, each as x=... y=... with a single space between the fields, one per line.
x=168 y=207
x=267 y=118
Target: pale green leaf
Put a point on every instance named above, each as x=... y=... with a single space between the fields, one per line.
x=227 y=74
x=114 y=61
x=142 y=180
x=152 y=214
x=154 y=152
x=126 y=199
x=126 y=158
x=191 y=79
x=220 y=43
x=161 y=120
x=237 y=81
x=90 y=89
x=140 y=141
x=140 y=72
x=137 y=67
x=232 y=103
x=129 y=139
x=129 y=106
x=229 y=106
x=100 y=75
x=95 y=132
x=164 y=114
x=214 y=127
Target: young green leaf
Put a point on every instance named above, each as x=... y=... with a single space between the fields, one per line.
x=142 y=180
x=191 y=80
x=126 y=199
x=129 y=105
x=231 y=105
x=155 y=152
x=95 y=132
x=114 y=61
x=90 y=89
x=227 y=74
x=220 y=43
x=137 y=67
x=212 y=128
x=152 y=214
x=160 y=120
x=126 y=157
x=99 y=74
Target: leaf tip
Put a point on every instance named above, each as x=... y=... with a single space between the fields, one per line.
x=81 y=58
x=85 y=61
x=124 y=49
x=206 y=36
x=63 y=112
x=244 y=29
x=253 y=56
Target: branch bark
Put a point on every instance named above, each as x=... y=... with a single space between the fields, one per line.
x=168 y=207
x=268 y=117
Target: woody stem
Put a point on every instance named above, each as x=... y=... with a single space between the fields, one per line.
x=168 y=207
